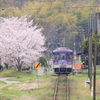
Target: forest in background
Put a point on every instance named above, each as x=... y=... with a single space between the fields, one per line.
x=61 y=19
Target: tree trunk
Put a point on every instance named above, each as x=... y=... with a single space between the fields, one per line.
x=19 y=64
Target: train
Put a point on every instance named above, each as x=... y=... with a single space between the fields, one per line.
x=63 y=60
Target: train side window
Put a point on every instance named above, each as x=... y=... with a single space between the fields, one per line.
x=69 y=56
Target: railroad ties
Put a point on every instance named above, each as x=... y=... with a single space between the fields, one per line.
x=61 y=88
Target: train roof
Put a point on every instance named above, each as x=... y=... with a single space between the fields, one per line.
x=62 y=49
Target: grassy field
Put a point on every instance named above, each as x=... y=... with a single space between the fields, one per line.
x=32 y=87
x=78 y=89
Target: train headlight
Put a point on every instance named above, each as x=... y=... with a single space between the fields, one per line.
x=69 y=63
x=55 y=63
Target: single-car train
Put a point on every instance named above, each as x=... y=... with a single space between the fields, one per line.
x=63 y=60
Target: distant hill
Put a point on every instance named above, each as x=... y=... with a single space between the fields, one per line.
x=15 y=3
x=20 y=3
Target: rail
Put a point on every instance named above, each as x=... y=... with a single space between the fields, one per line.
x=57 y=87
x=55 y=92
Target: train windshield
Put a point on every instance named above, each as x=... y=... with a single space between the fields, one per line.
x=62 y=56
x=55 y=56
x=69 y=56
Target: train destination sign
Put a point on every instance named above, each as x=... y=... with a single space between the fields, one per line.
x=37 y=65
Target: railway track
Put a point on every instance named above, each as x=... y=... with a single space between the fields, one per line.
x=61 y=88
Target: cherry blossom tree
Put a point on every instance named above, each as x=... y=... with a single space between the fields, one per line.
x=20 y=42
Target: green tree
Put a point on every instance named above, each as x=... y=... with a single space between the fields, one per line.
x=43 y=61
x=61 y=18
x=85 y=46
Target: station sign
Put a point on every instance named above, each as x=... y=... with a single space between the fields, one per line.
x=78 y=66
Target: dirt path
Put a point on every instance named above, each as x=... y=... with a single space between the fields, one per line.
x=8 y=82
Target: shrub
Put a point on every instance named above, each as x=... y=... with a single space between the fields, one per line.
x=43 y=61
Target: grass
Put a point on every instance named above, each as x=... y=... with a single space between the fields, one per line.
x=98 y=67
x=22 y=76
x=46 y=86
x=2 y=83
x=13 y=92
x=37 y=93
x=77 y=90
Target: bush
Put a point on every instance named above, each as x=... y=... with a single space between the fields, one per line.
x=43 y=61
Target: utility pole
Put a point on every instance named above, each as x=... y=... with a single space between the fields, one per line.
x=90 y=50
x=48 y=50
x=95 y=55
x=81 y=44
x=81 y=30
x=90 y=56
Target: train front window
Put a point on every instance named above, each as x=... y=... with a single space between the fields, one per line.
x=69 y=56
x=62 y=56
x=55 y=56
